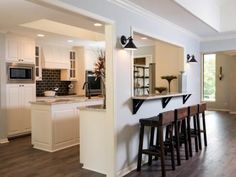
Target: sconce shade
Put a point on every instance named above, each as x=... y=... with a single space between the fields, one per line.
x=128 y=43
x=191 y=59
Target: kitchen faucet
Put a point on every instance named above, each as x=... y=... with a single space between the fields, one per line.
x=88 y=88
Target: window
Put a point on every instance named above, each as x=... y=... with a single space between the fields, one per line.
x=209 y=77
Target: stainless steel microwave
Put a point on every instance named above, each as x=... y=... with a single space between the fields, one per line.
x=20 y=73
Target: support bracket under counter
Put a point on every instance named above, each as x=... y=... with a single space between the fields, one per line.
x=165 y=99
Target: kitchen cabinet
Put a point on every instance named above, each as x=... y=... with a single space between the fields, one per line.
x=38 y=64
x=70 y=74
x=55 y=124
x=20 y=49
x=18 y=107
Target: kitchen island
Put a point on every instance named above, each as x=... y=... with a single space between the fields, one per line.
x=55 y=121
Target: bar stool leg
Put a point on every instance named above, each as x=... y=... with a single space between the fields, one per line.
x=172 y=149
x=162 y=152
x=204 y=128
x=151 y=144
x=185 y=140
x=140 y=148
x=189 y=137
x=157 y=141
x=199 y=132
x=177 y=143
x=195 y=133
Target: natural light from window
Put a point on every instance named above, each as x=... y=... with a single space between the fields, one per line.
x=209 y=77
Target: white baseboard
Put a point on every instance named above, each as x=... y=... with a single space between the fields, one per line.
x=214 y=109
x=5 y=140
x=223 y=110
x=126 y=170
x=130 y=168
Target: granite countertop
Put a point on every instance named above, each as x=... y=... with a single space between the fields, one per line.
x=99 y=108
x=63 y=99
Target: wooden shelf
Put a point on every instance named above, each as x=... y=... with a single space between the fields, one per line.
x=165 y=99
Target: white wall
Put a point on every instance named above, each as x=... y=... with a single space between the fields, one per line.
x=223 y=92
x=126 y=124
x=219 y=46
x=227 y=14
x=169 y=61
x=208 y=11
x=91 y=56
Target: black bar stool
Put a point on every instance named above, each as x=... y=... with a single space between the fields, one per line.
x=201 y=112
x=181 y=116
x=194 y=132
x=157 y=150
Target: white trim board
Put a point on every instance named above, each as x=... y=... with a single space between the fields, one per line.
x=3 y=141
x=215 y=109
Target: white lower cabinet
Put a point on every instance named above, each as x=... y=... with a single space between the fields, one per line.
x=55 y=126
x=18 y=108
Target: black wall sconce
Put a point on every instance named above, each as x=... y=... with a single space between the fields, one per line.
x=220 y=74
x=191 y=59
x=128 y=43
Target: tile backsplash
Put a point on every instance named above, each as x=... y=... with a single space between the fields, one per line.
x=50 y=80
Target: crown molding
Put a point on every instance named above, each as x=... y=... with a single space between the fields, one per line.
x=132 y=7
x=219 y=38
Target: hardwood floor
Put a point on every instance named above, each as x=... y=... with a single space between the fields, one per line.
x=217 y=160
x=19 y=159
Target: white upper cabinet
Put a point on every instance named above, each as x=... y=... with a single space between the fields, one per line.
x=20 y=49
x=55 y=57
x=70 y=74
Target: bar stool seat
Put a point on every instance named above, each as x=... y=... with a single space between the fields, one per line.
x=157 y=123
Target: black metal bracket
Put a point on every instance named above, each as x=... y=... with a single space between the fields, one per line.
x=165 y=101
x=136 y=105
x=186 y=97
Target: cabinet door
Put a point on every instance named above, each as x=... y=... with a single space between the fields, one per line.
x=27 y=50
x=13 y=109
x=27 y=95
x=12 y=49
x=65 y=125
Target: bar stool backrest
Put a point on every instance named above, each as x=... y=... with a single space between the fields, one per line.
x=202 y=107
x=167 y=118
x=193 y=110
x=181 y=113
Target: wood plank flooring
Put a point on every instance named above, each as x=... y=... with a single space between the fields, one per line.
x=217 y=160
x=19 y=159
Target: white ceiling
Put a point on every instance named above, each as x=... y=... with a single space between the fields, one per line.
x=14 y=13
x=173 y=12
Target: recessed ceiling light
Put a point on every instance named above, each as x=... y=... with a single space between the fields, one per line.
x=97 y=24
x=70 y=41
x=40 y=35
x=144 y=38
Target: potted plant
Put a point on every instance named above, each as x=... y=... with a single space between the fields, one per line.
x=100 y=72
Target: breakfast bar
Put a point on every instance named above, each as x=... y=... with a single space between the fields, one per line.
x=165 y=99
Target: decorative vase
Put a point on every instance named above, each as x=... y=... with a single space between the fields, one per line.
x=169 y=79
